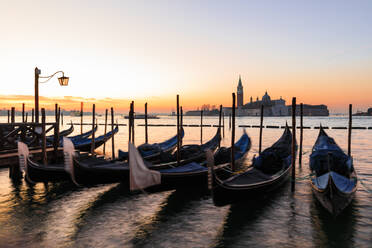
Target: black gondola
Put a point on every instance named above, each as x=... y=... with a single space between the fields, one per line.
x=268 y=171
x=334 y=182
x=63 y=133
x=10 y=145
x=84 y=144
x=155 y=151
x=89 y=170
x=37 y=172
x=86 y=165
x=76 y=138
x=194 y=175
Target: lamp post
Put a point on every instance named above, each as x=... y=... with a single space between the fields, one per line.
x=63 y=81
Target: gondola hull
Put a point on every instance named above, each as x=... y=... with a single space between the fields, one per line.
x=195 y=175
x=269 y=171
x=85 y=174
x=37 y=172
x=332 y=198
x=224 y=195
x=93 y=171
x=154 y=156
x=85 y=145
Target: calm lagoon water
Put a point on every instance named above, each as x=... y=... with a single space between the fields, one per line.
x=62 y=215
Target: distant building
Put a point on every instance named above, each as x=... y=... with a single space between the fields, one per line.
x=239 y=93
x=271 y=107
x=368 y=113
x=311 y=110
x=253 y=108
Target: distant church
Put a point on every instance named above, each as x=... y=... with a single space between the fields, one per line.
x=253 y=108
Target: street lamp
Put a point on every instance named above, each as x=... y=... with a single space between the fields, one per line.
x=63 y=81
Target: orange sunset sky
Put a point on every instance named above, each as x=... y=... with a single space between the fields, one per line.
x=149 y=51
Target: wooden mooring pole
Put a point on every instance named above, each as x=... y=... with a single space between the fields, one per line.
x=33 y=115
x=181 y=118
x=23 y=113
x=112 y=130
x=130 y=123
x=223 y=125
x=229 y=121
x=261 y=124
x=81 y=117
x=178 y=130
x=201 y=127
x=233 y=134
x=93 y=144
x=293 y=181
x=133 y=122
x=8 y=116
x=62 y=118
x=59 y=116
x=146 y=134
x=349 y=131
x=56 y=138
x=181 y=122
x=43 y=137
x=104 y=144
x=301 y=134
x=13 y=115
x=219 y=125
x=56 y=112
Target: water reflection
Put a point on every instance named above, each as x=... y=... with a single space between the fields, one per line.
x=240 y=225
x=174 y=205
x=330 y=231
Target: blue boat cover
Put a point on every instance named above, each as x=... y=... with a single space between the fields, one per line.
x=321 y=182
x=328 y=156
x=344 y=184
x=191 y=167
x=84 y=141
x=243 y=145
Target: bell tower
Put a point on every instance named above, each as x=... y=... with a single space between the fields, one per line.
x=239 y=93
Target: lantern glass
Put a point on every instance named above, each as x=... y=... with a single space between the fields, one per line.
x=63 y=81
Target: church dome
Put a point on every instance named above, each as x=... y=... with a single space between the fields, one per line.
x=266 y=98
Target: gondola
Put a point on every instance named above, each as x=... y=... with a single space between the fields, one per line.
x=154 y=151
x=10 y=145
x=194 y=175
x=55 y=171
x=90 y=170
x=75 y=138
x=334 y=180
x=83 y=135
x=267 y=173
x=63 y=133
x=84 y=144
x=37 y=172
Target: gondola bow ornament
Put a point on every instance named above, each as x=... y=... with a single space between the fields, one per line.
x=23 y=154
x=69 y=153
x=140 y=176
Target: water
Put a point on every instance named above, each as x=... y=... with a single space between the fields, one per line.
x=62 y=215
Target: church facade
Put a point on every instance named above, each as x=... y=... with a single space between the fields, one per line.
x=253 y=108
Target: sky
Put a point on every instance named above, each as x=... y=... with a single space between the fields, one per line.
x=149 y=51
